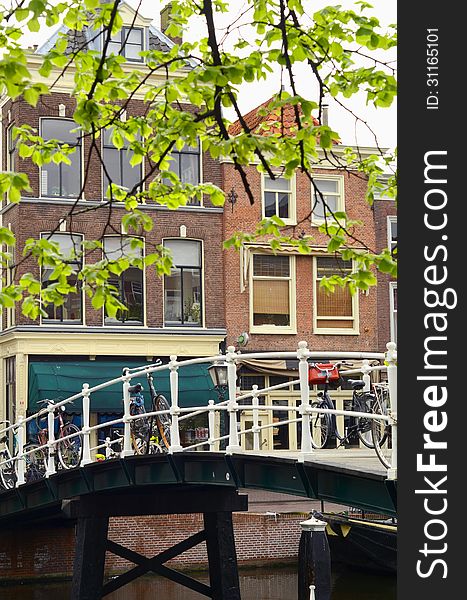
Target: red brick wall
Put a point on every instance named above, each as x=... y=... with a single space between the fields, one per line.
x=29 y=220
x=37 y=551
x=245 y=217
x=21 y=113
x=48 y=550
x=383 y=209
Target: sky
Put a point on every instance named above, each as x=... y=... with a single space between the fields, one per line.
x=382 y=121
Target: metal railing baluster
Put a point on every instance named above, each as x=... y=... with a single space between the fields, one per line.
x=21 y=466
x=232 y=406
x=127 y=449
x=302 y=355
x=51 y=470
x=175 y=445
x=391 y=359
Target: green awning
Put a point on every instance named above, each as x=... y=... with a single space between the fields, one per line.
x=59 y=380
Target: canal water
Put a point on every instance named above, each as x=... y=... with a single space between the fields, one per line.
x=256 y=584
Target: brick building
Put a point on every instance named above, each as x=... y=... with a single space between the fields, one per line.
x=181 y=314
x=275 y=297
x=385 y=219
x=212 y=295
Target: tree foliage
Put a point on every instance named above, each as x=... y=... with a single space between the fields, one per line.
x=340 y=48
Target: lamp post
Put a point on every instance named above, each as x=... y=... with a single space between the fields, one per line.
x=218 y=374
x=232 y=197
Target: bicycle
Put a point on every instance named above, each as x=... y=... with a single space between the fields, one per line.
x=325 y=423
x=149 y=436
x=69 y=449
x=35 y=462
x=381 y=430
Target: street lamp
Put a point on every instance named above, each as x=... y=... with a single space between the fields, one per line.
x=232 y=197
x=218 y=374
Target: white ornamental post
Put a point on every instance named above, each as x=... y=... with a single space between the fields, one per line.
x=51 y=441
x=108 y=448
x=20 y=465
x=256 y=429
x=85 y=427
x=391 y=359
x=303 y=371
x=127 y=450
x=211 y=425
x=366 y=370
x=175 y=445
x=232 y=406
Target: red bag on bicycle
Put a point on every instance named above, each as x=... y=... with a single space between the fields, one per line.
x=318 y=372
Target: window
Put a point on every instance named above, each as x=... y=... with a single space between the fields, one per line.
x=331 y=191
x=129 y=284
x=62 y=181
x=117 y=164
x=183 y=302
x=186 y=164
x=272 y=293
x=11 y=150
x=71 y=311
x=392 y=233
x=393 y=310
x=128 y=42
x=9 y=271
x=278 y=198
x=334 y=312
x=10 y=393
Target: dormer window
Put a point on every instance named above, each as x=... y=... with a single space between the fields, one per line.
x=128 y=42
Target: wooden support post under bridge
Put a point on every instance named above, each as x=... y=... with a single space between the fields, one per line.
x=93 y=511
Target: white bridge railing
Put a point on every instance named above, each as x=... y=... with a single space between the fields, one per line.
x=232 y=407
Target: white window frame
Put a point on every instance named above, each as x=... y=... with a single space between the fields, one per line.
x=11 y=156
x=203 y=290
x=391 y=242
x=275 y=329
x=143 y=254
x=355 y=330
x=292 y=219
x=82 y=174
x=52 y=322
x=123 y=35
x=340 y=197
x=392 y=311
x=125 y=150
x=201 y=174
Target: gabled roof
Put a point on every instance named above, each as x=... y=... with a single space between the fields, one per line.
x=87 y=37
x=278 y=121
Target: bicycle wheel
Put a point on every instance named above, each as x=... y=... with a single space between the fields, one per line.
x=70 y=451
x=139 y=430
x=35 y=463
x=163 y=421
x=381 y=430
x=7 y=472
x=320 y=426
x=364 y=426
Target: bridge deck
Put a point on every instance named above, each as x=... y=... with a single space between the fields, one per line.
x=355 y=460
x=349 y=477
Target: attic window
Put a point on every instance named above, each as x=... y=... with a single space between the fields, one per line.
x=128 y=42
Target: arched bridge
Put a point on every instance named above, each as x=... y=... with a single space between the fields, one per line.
x=142 y=473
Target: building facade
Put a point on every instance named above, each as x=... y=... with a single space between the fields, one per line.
x=212 y=295
x=179 y=314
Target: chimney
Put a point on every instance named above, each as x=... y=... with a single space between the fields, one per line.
x=165 y=22
x=325 y=114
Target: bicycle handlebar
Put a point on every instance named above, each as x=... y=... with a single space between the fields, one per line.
x=135 y=389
